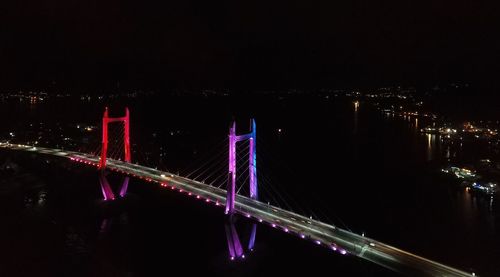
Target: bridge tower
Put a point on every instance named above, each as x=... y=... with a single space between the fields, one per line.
x=106 y=189
x=126 y=137
x=252 y=164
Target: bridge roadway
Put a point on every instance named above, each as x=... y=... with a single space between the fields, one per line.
x=337 y=239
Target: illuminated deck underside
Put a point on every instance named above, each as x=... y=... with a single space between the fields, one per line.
x=337 y=239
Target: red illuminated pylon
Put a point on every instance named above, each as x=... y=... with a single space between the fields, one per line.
x=126 y=124
x=106 y=188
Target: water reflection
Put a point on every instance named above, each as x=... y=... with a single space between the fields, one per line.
x=35 y=200
x=431 y=146
x=110 y=251
x=105 y=226
x=107 y=222
x=233 y=240
x=75 y=244
x=478 y=209
x=356 y=107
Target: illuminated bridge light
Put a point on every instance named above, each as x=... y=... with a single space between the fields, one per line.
x=334 y=248
x=248 y=215
x=274 y=225
x=208 y=200
x=232 y=258
x=260 y=220
x=217 y=203
x=318 y=242
x=189 y=194
x=303 y=236
x=286 y=230
x=197 y=197
x=343 y=252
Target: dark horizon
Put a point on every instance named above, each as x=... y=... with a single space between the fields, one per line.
x=257 y=45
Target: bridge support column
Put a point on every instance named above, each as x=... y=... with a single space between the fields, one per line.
x=124 y=188
x=252 y=163
x=104 y=149
x=251 y=242
x=233 y=239
x=107 y=192
x=231 y=186
x=125 y=120
x=126 y=139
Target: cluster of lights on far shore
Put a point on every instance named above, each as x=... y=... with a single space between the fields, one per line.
x=332 y=246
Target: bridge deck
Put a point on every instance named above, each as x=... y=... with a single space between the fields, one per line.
x=335 y=238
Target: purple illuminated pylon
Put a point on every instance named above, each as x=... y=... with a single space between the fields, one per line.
x=252 y=164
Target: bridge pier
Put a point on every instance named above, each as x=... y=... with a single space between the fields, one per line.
x=233 y=239
x=107 y=191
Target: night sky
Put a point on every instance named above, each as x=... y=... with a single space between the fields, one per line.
x=247 y=44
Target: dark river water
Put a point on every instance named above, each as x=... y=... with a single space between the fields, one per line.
x=353 y=167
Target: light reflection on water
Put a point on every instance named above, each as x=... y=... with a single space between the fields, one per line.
x=356 y=108
x=431 y=146
x=35 y=199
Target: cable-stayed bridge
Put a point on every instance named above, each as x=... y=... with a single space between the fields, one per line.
x=337 y=239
